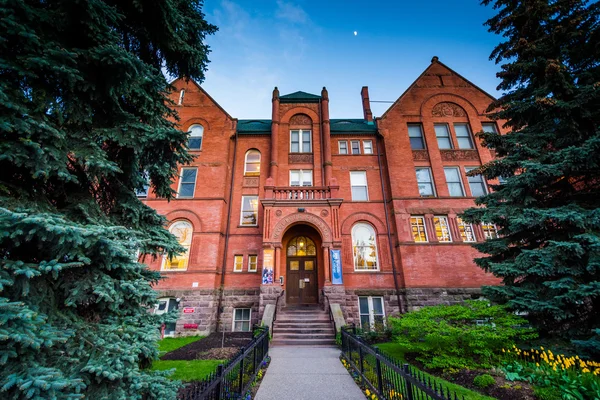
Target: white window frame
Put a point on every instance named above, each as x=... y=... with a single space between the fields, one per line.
x=469 y=136
x=422 y=218
x=357 y=143
x=483 y=182
x=301 y=142
x=444 y=238
x=492 y=125
x=437 y=138
x=238 y=261
x=187 y=247
x=377 y=268
x=242 y=212
x=486 y=235
x=369 y=149
x=252 y=265
x=201 y=136
x=366 y=185
x=181 y=94
x=252 y=173
x=422 y=137
x=345 y=142
x=301 y=176
x=431 y=182
x=466 y=227
x=462 y=187
x=249 y=320
x=167 y=301
x=181 y=181
x=371 y=311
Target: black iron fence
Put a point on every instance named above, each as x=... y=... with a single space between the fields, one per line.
x=388 y=378
x=232 y=380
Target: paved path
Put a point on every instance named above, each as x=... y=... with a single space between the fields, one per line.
x=307 y=373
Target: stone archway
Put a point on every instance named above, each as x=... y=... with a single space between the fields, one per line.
x=302 y=218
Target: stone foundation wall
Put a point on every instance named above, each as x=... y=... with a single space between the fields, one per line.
x=239 y=298
x=417 y=298
x=269 y=295
x=204 y=302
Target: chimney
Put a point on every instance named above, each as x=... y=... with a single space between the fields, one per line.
x=364 y=93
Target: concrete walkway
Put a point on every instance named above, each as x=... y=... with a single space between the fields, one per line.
x=307 y=373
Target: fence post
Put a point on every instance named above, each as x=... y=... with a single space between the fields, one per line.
x=219 y=387
x=360 y=359
x=241 y=384
x=254 y=359
x=379 y=377
x=409 y=391
x=354 y=329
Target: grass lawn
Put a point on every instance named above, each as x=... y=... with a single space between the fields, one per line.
x=169 y=344
x=187 y=370
x=396 y=351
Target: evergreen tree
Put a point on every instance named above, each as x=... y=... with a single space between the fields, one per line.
x=83 y=116
x=547 y=210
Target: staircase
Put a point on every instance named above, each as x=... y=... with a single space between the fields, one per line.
x=303 y=326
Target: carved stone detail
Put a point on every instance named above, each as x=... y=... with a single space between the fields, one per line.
x=459 y=155
x=324 y=213
x=303 y=217
x=448 y=110
x=420 y=155
x=300 y=119
x=250 y=181
x=278 y=213
x=300 y=158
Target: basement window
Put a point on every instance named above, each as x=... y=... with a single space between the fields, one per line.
x=372 y=315
x=241 y=319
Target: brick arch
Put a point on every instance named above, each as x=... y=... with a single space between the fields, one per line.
x=302 y=218
x=428 y=105
x=301 y=119
x=188 y=215
x=195 y=121
x=352 y=219
x=285 y=119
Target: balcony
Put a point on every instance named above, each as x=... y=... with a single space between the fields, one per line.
x=300 y=194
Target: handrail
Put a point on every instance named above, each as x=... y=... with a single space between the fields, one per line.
x=276 y=304
x=328 y=304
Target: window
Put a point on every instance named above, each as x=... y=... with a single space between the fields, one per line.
x=241 y=319
x=419 y=232
x=425 y=182
x=364 y=247
x=466 y=230
x=183 y=232
x=301 y=246
x=455 y=187
x=300 y=141
x=489 y=230
x=187 y=183
x=144 y=191
x=343 y=147
x=196 y=135
x=358 y=183
x=249 y=215
x=415 y=134
x=476 y=183
x=252 y=164
x=238 y=263
x=252 y=263
x=367 y=147
x=443 y=136
x=165 y=305
x=463 y=136
x=301 y=177
x=442 y=229
x=372 y=316
x=355 y=146
x=181 y=94
x=489 y=127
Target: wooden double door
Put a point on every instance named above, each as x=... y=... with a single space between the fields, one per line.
x=302 y=285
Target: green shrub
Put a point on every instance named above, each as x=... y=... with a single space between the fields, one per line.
x=470 y=335
x=547 y=393
x=483 y=381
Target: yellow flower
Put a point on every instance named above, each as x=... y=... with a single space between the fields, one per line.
x=542 y=347
x=537 y=364
x=585 y=370
x=373 y=397
x=368 y=392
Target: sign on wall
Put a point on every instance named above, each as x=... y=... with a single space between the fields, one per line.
x=188 y=310
x=336 y=267
x=268 y=265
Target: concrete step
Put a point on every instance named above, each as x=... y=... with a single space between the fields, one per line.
x=302 y=342
x=328 y=330
x=301 y=311
x=300 y=325
x=279 y=335
x=307 y=318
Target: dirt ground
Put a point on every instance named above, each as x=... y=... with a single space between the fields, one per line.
x=502 y=390
x=215 y=346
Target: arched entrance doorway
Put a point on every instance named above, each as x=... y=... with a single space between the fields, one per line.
x=301 y=271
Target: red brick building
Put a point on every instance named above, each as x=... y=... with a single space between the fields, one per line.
x=267 y=203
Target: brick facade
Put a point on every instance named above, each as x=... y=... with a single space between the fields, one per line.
x=325 y=213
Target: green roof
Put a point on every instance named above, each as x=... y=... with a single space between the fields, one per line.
x=352 y=126
x=299 y=97
x=250 y=126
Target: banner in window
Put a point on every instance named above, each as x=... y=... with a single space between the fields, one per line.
x=336 y=267
x=268 y=264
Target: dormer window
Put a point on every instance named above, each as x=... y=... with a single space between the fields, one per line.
x=300 y=141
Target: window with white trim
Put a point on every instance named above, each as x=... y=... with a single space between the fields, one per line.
x=144 y=191
x=415 y=135
x=364 y=246
x=359 y=188
x=196 y=136
x=187 y=183
x=466 y=231
x=417 y=226
x=252 y=263
x=476 y=183
x=367 y=147
x=181 y=94
x=249 y=213
x=463 y=136
x=455 y=187
x=489 y=230
x=301 y=177
x=442 y=228
x=355 y=146
x=489 y=127
x=442 y=133
x=241 y=319
x=342 y=147
x=372 y=313
x=252 y=163
x=425 y=182
x=182 y=230
x=300 y=141
x=238 y=263
x=165 y=305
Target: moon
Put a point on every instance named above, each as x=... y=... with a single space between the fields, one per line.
x=355 y=33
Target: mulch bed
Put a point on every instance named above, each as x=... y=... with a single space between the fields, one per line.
x=502 y=389
x=213 y=347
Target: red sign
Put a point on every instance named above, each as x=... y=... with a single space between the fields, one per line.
x=190 y=326
x=188 y=310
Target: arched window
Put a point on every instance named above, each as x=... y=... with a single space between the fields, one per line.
x=196 y=135
x=183 y=232
x=252 y=165
x=364 y=246
x=301 y=246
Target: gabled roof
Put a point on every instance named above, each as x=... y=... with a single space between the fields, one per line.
x=299 y=97
x=349 y=125
x=203 y=91
x=252 y=126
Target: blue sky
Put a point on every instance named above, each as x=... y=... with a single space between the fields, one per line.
x=306 y=44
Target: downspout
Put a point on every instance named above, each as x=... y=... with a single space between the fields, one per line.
x=224 y=267
x=322 y=143
x=387 y=222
